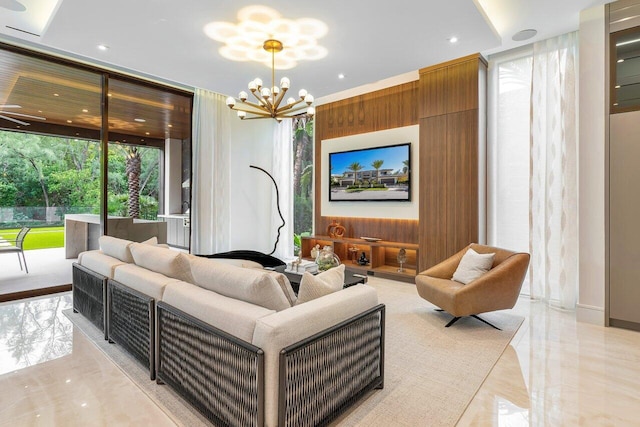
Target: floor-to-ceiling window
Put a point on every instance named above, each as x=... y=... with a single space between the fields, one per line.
x=532 y=163
x=52 y=126
x=508 y=153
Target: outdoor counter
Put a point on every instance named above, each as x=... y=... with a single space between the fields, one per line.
x=82 y=231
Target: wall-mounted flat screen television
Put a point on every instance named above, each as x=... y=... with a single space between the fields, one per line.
x=371 y=174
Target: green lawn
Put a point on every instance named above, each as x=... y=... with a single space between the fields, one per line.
x=38 y=238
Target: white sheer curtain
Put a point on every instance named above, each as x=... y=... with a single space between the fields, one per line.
x=282 y=171
x=532 y=179
x=210 y=164
x=553 y=182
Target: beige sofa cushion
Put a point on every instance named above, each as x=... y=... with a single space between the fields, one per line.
x=117 y=248
x=285 y=285
x=233 y=316
x=161 y=260
x=325 y=283
x=244 y=263
x=279 y=330
x=246 y=284
x=99 y=262
x=142 y=280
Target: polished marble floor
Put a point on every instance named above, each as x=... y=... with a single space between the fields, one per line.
x=556 y=372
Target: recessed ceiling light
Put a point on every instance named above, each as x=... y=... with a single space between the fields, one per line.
x=524 y=35
x=103 y=47
x=146 y=133
x=453 y=39
x=84 y=110
x=69 y=121
x=341 y=76
x=108 y=94
x=170 y=126
x=56 y=94
x=140 y=120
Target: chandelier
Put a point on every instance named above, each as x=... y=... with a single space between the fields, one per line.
x=269 y=100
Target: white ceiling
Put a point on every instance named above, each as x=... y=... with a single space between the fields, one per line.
x=367 y=40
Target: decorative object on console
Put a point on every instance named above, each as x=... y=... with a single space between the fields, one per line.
x=335 y=230
x=402 y=258
x=300 y=266
x=327 y=259
x=314 y=251
x=269 y=99
x=275 y=245
x=353 y=253
x=363 y=259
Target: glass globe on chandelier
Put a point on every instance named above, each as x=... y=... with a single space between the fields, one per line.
x=269 y=99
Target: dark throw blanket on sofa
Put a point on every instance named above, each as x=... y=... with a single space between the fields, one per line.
x=259 y=257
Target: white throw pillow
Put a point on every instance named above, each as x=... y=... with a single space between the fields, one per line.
x=164 y=261
x=325 y=283
x=259 y=287
x=151 y=241
x=116 y=248
x=472 y=265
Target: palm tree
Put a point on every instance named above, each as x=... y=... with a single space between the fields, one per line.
x=302 y=136
x=405 y=168
x=133 y=171
x=377 y=164
x=355 y=166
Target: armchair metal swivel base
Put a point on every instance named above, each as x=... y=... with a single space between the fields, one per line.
x=497 y=289
x=455 y=319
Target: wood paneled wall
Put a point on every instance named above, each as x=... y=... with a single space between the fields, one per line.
x=449 y=115
x=384 y=109
x=445 y=103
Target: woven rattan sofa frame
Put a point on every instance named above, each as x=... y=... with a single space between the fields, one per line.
x=131 y=322
x=193 y=356
x=294 y=412
x=89 y=291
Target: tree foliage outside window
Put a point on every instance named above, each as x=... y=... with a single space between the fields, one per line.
x=39 y=172
x=302 y=176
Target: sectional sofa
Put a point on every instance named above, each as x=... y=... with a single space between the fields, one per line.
x=231 y=337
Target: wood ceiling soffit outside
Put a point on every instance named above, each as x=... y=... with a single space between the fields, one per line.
x=32 y=83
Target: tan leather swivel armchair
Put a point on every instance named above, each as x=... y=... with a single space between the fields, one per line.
x=497 y=289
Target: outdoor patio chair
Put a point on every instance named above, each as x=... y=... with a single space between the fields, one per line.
x=9 y=246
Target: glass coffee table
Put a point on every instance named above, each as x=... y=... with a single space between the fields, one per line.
x=350 y=278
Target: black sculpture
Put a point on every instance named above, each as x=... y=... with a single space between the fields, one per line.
x=275 y=245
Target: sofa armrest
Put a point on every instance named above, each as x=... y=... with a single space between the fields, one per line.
x=284 y=328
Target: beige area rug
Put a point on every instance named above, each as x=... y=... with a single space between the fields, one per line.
x=431 y=372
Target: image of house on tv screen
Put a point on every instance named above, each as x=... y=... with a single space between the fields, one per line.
x=371 y=174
